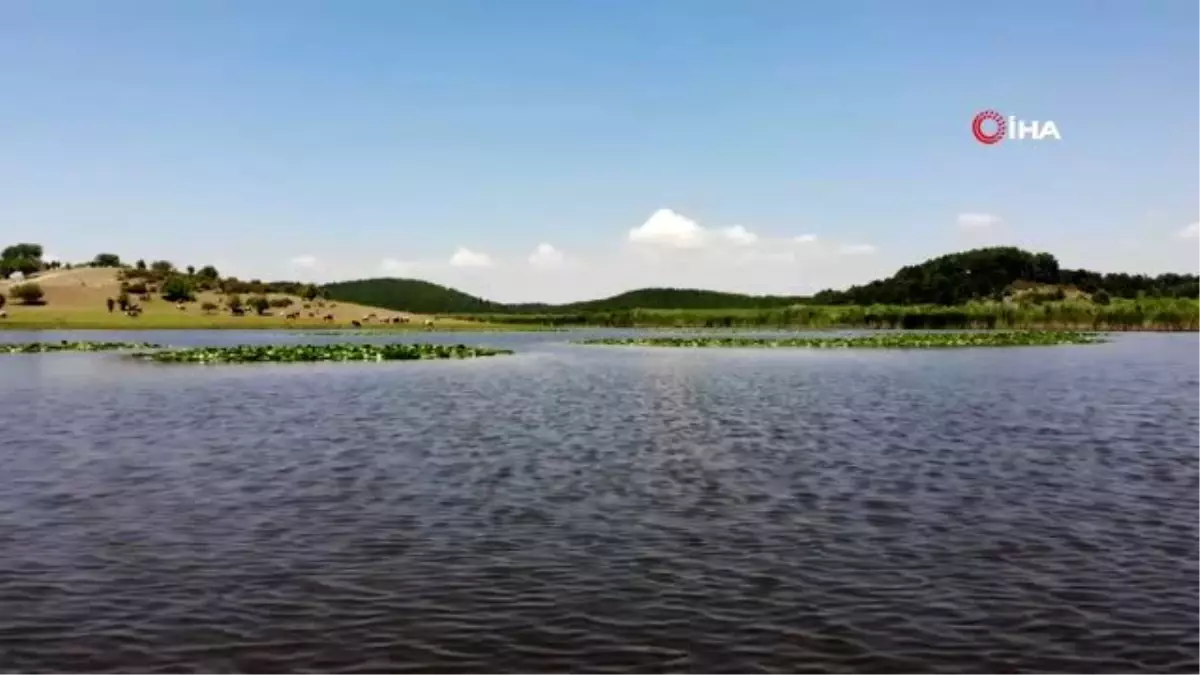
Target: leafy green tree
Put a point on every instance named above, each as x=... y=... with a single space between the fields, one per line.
x=141 y=264
x=162 y=266
x=28 y=293
x=310 y=292
x=177 y=289
x=106 y=260
x=259 y=304
x=208 y=272
x=22 y=251
x=191 y=270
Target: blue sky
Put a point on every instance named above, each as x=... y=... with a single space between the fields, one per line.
x=509 y=148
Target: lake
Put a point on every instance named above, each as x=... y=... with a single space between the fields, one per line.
x=602 y=509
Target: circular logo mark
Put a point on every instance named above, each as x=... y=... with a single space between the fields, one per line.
x=985 y=137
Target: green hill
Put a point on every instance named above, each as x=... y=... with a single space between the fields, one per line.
x=410 y=295
x=985 y=273
x=413 y=295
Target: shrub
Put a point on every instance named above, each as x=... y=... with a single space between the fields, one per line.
x=208 y=272
x=141 y=264
x=106 y=260
x=259 y=304
x=208 y=307
x=1101 y=298
x=28 y=294
x=135 y=287
x=191 y=270
x=281 y=302
x=177 y=289
x=162 y=266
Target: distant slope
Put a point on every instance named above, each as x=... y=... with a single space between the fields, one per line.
x=985 y=273
x=414 y=295
x=680 y=298
x=409 y=295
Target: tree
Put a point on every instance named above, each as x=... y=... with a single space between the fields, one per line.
x=208 y=272
x=259 y=304
x=106 y=260
x=177 y=289
x=22 y=251
x=25 y=266
x=136 y=287
x=191 y=270
x=28 y=294
x=141 y=264
x=311 y=292
x=162 y=266
x=1101 y=297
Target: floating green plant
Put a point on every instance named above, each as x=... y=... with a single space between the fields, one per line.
x=313 y=353
x=875 y=341
x=68 y=346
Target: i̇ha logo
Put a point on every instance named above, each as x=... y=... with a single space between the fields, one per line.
x=990 y=127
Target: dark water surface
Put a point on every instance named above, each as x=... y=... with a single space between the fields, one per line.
x=603 y=509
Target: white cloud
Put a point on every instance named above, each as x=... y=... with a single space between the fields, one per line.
x=667 y=230
x=1190 y=232
x=670 y=230
x=857 y=249
x=805 y=239
x=304 y=261
x=978 y=221
x=739 y=236
x=464 y=257
x=546 y=257
x=393 y=266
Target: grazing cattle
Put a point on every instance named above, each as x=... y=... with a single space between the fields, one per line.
x=312 y=315
x=329 y=317
x=429 y=324
x=3 y=314
x=237 y=311
x=356 y=324
x=181 y=307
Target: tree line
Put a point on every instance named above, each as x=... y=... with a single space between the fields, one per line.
x=991 y=273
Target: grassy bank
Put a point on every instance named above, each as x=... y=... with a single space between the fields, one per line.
x=49 y=318
x=1149 y=314
x=938 y=340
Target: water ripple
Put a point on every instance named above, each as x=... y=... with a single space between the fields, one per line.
x=574 y=509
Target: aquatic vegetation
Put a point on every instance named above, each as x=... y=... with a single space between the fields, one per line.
x=69 y=346
x=313 y=353
x=875 y=341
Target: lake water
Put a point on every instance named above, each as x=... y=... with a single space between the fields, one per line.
x=602 y=509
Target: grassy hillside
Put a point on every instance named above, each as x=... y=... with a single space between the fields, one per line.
x=76 y=298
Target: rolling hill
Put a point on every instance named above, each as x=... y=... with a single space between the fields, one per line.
x=985 y=273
